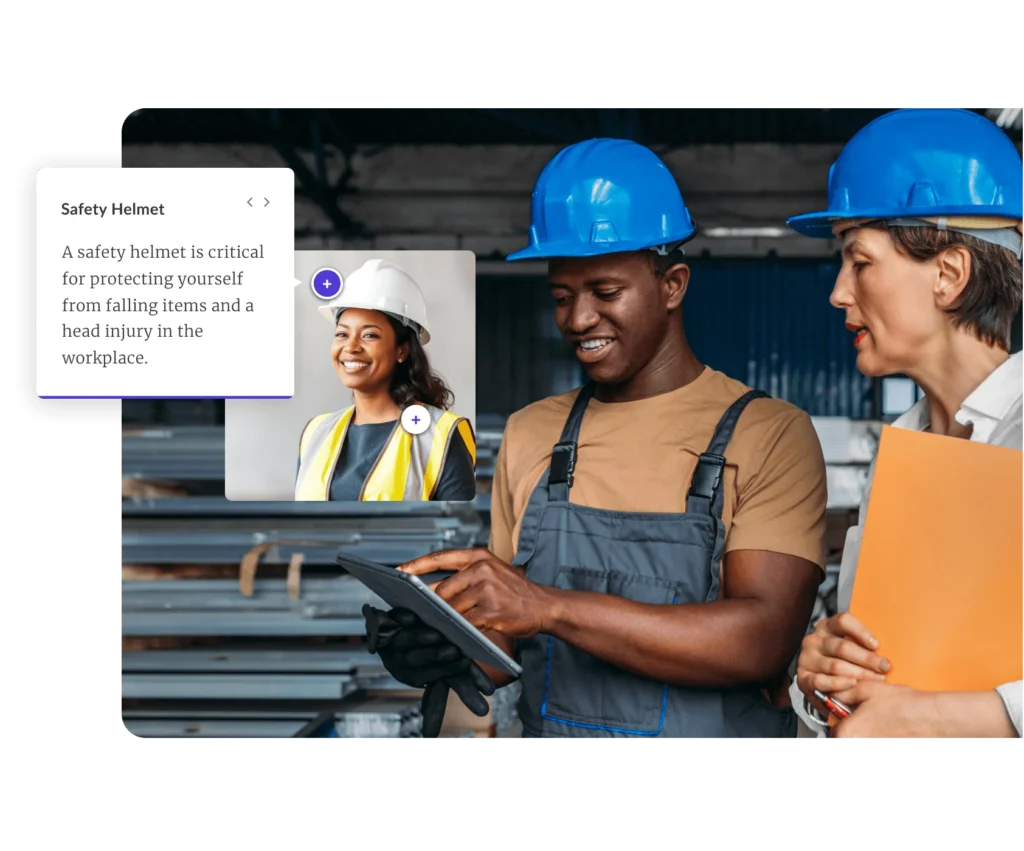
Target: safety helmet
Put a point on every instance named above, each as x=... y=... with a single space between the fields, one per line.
x=381 y=285
x=602 y=196
x=945 y=168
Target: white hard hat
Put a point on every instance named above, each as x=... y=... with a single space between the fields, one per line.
x=381 y=285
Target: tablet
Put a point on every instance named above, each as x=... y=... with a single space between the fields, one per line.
x=402 y=590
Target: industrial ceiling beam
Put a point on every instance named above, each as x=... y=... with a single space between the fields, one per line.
x=344 y=143
x=322 y=193
x=1007 y=119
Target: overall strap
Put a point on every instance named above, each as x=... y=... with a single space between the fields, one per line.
x=559 y=480
x=563 y=455
x=703 y=496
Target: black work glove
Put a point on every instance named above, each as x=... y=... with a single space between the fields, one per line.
x=419 y=656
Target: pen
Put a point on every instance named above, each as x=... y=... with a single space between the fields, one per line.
x=837 y=708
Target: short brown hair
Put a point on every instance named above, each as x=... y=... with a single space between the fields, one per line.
x=988 y=305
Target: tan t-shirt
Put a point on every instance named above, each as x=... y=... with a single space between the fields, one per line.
x=640 y=456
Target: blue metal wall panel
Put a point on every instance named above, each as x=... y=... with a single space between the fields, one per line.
x=765 y=322
x=520 y=354
x=769 y=324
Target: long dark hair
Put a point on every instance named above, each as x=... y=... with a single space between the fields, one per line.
x=413 y=380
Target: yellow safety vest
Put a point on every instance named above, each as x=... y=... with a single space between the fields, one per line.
x=407 y=469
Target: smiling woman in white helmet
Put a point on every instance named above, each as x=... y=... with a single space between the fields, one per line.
x=927 y=204
x=364 y=452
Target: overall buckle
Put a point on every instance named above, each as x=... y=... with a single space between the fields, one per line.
x=707 y=476
x=563 y=462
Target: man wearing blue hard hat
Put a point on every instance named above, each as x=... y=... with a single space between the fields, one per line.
x=657 y=536
x=928 y=206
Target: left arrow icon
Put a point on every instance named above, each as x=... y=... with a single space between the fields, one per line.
x=249 y=202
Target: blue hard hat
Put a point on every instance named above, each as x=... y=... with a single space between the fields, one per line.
x=602 y=196
x=915 y=163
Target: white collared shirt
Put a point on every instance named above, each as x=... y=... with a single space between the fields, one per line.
x=994 y=409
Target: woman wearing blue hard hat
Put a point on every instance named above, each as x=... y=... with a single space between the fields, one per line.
x=657 y=536
x=927 y=204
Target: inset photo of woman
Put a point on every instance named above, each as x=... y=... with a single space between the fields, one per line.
x=385 y=386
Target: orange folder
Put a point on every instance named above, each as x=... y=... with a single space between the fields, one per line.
x=939 y=577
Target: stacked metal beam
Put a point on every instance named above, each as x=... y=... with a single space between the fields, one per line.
x=190 y=726
x=189 y=607
x=387 y=538
x=233 y=687
x=327 y=607
x=233 y=673
x=181 y=453
x=361 y=716
x=488 y=439
x=848 y=447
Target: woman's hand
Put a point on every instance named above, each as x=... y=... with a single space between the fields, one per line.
x=836 y=656
x=883 y=710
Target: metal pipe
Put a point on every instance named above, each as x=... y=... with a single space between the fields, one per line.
x=235 y=686
x=204 y=729
x=217 y=603
x=312 y=588
x=164 y=552
x=231 y=661
x=215 y=506
x=143 y=624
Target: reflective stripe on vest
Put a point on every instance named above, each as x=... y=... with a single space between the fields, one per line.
x=407 y=469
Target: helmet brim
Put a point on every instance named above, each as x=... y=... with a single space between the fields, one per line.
x=575 y=248
x=820 y=224
x=813 y=224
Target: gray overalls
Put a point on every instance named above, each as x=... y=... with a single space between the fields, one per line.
x=656 y=558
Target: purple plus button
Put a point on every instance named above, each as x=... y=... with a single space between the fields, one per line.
x=326 y=283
